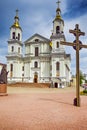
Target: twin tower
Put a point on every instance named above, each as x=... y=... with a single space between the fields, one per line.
x=44 y=61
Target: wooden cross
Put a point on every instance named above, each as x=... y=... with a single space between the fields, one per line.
x=77 y=45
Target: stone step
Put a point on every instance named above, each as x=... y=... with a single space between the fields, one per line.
x=30 y=85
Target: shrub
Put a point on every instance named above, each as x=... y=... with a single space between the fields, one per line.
x=85 y=91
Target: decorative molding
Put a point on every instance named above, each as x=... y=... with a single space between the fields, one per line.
x=35 y=69
x=37 y=43
x=58 y=36
x=12 y=41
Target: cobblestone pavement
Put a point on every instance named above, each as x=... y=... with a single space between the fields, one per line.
x=42 y=109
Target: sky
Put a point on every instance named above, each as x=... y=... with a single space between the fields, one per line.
x=36 y=16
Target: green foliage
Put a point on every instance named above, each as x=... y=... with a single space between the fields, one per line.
x=85 y=91
x=81 y=78
x=83 y=94
x=85 y=81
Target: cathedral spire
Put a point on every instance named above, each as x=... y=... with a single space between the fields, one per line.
x=58 y=3
x=58 y=11
x=58 y=23
x=16 y=18
x=17 y=12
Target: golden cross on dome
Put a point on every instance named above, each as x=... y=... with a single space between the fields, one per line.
x=17 y=12
x=58 y=3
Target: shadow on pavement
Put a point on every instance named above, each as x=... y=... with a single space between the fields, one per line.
x=57 y=101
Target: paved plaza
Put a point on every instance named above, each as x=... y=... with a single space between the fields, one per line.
x=42 y=109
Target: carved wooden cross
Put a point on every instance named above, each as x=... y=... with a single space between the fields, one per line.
x=77 y=45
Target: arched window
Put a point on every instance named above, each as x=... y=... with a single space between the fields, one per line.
x=18 y=49
x=22 y=75
x=12 y=48
x=57 y=29
x=36 y=51
x=57 y=69
x=11 y=67
x=18 y=36
x=13 y=35
x=57 y=66
x=35 y=64
x=11 y=70
x=57 y=45
x=22 y=68
x=35 y=77
x=36 y=40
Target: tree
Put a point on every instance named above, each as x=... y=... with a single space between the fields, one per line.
x=81 y=78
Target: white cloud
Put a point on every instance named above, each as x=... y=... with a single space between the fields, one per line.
x=70 y=37
x=63 y=6
x=40 y=22
x=3 y=50
x=2 y=59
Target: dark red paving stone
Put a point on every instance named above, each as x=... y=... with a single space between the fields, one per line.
x=46 y=111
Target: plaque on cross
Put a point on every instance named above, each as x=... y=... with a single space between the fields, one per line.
x=77 y=45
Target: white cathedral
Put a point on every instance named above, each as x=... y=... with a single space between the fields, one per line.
x=44 y=61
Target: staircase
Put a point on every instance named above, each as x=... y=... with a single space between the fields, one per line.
x=30 y=85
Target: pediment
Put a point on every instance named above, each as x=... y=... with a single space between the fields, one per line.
x=37 y=38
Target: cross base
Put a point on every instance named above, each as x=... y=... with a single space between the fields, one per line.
x=75 y=103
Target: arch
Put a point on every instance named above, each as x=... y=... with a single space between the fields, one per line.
x=57 y=44
x=36 y=51
x=12 y=48
x=56 y=85
x=11 y=70
x=57 y=69
x=35 y=64
x=57 y=66
x=19 y=36
x=22 y=68
x=18 y=49
x=11 y=67
x=36 y=40
x=13 y=35
x=35 y=77
x=57 y=29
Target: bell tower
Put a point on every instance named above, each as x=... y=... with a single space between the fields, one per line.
x=15 y=41
x=58 y=23
x=15 y=46
x=57 y=50
x=57 y=32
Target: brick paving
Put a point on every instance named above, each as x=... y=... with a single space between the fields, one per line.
x=42 y=109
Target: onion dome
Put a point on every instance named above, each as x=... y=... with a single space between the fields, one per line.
x=58 y=13
x=16 y=23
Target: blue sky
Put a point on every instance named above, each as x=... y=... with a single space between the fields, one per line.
x=37 y=16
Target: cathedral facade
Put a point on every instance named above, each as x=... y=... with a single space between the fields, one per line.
x=44 y=61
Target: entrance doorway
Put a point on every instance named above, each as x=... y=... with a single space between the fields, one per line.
x=35 y=77
x=56 y=85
